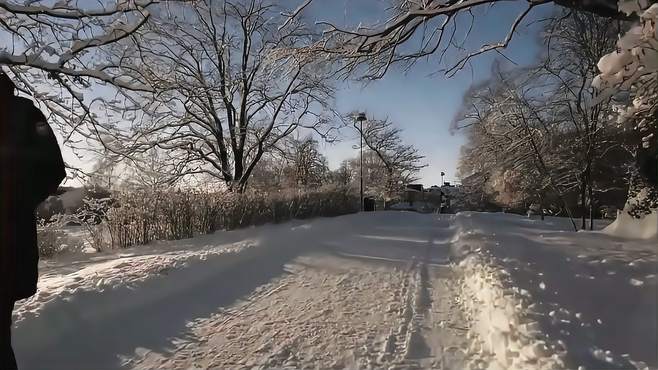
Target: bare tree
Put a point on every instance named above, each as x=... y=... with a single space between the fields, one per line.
x=225 y=95
x=415 y=29
x=516 y=133
x=309 y=166
x=576 y=42
x=401 y=162
x=556 y=97
x=270 y=173
x=153 y=170
x=343 y=175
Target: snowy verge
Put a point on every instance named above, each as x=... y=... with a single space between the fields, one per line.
x=627 y=226
x=67 y=277
x=504 y=336
x=585 y=299
x=501 y=320
x=125 y=270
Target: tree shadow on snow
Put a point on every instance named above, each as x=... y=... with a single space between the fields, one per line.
x=94 y=330
x=589 y=274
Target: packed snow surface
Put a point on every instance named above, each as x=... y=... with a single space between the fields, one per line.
x=552 y=298
x=395 y=290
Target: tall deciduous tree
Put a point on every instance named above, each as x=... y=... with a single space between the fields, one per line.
x=309 y=166
x=632 y=72
x=225 y=93
x=575 y=43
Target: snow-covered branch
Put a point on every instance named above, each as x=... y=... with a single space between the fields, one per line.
x=417 y=29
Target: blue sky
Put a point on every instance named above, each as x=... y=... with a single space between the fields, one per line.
x=422 y=101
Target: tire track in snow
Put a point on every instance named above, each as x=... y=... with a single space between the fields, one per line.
x=313 y=316
x=405 y=343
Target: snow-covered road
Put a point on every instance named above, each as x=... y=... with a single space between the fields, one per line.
x=372 y=292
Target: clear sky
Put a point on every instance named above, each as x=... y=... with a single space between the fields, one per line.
x=422 y=101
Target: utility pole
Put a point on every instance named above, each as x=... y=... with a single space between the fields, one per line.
x=361 y=117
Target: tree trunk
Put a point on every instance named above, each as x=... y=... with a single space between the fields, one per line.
x=591 y=204
x=583 y=202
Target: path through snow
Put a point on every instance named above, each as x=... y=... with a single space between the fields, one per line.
x=372 y=292
x=391 y=290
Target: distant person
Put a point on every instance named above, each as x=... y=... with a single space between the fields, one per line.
x=31 y=168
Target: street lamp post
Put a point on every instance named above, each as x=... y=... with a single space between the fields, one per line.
x=361 y=117
x=441 y=192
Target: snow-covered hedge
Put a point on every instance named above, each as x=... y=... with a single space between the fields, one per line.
x=141 y=217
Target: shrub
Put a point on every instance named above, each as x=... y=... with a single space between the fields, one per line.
x=51 y=238
x=143 y=216
x=49 y=241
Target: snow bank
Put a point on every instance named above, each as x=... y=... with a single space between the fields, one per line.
x=501 y=319
x=541 y=296
x=111 y=306
x=626 y=226
x=504 y=334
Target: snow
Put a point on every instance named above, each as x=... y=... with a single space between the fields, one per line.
x=626 y=226
x=543 y=297
x=342 y=292
x=393 y=290
x=634 y=63
x=632 y=6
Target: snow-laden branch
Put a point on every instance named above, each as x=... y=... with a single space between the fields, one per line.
x=400 y=161
x=633 y=65
x=39 y=63
x=69 y=37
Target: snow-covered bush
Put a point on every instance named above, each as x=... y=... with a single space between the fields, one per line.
x=143 y=216
x=92 y=217
x=632 y=69
x=49 y=240
x=51 y=237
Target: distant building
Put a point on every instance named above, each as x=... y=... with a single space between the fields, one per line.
x=434 y=189
x=414 y=188
x=413 y=193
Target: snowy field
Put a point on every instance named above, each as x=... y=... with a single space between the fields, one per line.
x=397 y=290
